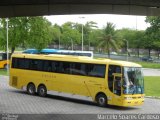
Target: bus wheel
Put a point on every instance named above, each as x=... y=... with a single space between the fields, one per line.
x=42 y=91
x=31 y=89
x=101 y=100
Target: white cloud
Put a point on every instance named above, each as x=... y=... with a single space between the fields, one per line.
x=121 y=21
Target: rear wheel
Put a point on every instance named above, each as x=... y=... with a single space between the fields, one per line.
x=101 y=100
x=42 y=91
x=31 y=89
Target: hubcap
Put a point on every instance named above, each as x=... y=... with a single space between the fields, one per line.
x=102 y=100
x=31 y=90
x=42 y=91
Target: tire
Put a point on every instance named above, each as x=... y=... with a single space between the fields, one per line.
x=31 y=89
x=101 y=100
x=42 y=91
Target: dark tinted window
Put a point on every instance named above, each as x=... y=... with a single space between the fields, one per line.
x=112 y=69
x=40 y=65
x=96 y=70
x=26 y=63
x=74 y=68
x=14 y=63
x=65 y=67
x=78 y=69
x=21 y=63
x=33 y=64
x=47 y=66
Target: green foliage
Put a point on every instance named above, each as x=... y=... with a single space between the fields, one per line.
x=107 y=38
x=94 y=37
x=35 y=32
x=134 y=37
x=57 y=32
x=153 y=33
x=69 y=34
x=40 y=32
x=149 y=65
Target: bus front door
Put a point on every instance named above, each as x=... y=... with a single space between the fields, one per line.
x=117 y=99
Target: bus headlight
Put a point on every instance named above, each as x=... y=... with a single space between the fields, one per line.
x=142 y=97
x=128 y=98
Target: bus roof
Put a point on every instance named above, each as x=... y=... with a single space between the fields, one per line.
x=71 y=58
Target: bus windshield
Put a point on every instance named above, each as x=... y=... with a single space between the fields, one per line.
x=133 y=82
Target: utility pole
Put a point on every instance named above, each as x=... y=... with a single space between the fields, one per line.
x=82 y=32
x=126 y=48
x=7 y=46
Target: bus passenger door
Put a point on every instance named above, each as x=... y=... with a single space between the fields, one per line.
x=114 y=83
x=117 y=86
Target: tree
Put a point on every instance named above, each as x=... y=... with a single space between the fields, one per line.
x=40 y=32
x=88 y=29
x=17 y=32
x=107 y=39
x=57 y=33
x=70 y=35
x=25 y=32
x=94 y=37
x=135 y=38
x=153 y=33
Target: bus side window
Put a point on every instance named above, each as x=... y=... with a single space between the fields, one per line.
x=33 y=64
x=112 y=69
x=21 y=64
x=14 y=63
x=40 y=65
x=66 y=67
x=47 y=66
x=58 y=67
x=96 y=70
x=26 y=63
x=53 y=65
x=78 y=69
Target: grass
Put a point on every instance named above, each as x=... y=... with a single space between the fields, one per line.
x=149 y=65
x=3 y=72
x=152 y=86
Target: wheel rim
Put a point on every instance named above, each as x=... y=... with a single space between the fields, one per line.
x=31 y=89
x=42 y=91
x=101 y=100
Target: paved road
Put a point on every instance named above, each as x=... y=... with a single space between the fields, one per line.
x=151 y=72
x=18 y=102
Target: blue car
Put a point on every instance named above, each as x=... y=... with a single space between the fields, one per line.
x=147 y=59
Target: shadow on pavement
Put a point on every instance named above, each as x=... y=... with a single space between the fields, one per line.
x=79 y=101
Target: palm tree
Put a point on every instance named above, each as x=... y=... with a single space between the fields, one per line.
x=107 y=41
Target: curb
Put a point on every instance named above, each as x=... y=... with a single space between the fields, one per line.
x=152 y=97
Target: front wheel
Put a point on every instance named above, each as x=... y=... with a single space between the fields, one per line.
x=101 y=100
x=42 y=91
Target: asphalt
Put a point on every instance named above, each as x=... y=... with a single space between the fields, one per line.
x=151 y=72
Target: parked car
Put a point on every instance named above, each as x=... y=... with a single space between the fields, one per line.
x=113 y=53
x=147 y=59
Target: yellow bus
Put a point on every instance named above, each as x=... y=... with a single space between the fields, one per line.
x=105 y=81
x=3 y=61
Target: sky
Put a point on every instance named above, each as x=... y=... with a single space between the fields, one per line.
x=120 y=21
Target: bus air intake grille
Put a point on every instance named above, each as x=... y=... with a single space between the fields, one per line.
x=14 y=81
